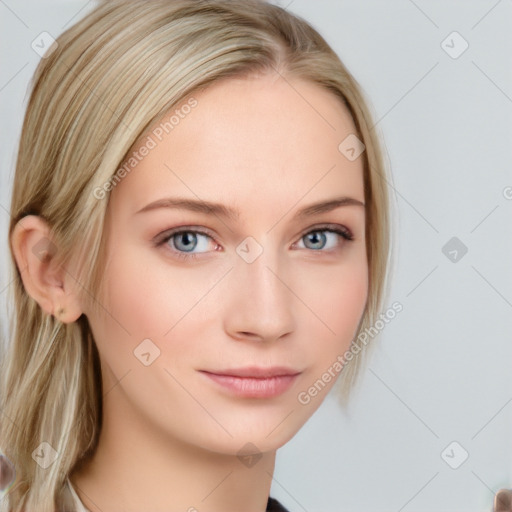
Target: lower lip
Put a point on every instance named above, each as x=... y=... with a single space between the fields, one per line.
x=252 y=387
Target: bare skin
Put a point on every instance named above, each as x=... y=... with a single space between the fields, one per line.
x=171 y=436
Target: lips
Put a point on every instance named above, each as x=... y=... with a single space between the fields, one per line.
x=254 y=382
x=256 y=372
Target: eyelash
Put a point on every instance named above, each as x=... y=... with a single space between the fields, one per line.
x=339 y=230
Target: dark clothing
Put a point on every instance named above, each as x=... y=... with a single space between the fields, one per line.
x=274 y=506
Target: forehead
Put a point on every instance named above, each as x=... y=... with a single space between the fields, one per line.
x=246 y=142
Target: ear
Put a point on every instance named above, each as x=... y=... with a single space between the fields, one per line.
x=49 y=284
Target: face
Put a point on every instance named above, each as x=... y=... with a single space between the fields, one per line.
x=213 y=323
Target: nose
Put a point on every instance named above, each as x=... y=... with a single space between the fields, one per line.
x=260 y=300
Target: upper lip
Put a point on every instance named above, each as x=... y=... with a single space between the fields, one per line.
x=256 y=371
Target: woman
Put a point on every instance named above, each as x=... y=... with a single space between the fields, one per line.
x=199 y=231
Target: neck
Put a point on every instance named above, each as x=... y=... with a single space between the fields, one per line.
x=136 y=467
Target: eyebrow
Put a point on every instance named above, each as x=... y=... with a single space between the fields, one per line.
x=222 y=210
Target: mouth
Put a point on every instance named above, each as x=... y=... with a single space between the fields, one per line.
x=254 y=382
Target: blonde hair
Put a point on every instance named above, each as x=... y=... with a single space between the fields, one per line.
x=110 y=77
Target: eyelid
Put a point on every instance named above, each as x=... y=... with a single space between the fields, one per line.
x=329 y=227
x=168 y=233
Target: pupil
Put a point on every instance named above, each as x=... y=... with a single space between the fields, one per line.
x=189 y=240
x=318 y=236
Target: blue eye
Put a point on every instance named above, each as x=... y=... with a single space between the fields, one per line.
x=318 y=237
x=185 y=241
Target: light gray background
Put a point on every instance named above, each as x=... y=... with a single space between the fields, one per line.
x=441 y=369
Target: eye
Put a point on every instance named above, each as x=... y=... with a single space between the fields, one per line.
x=318 y=238
x=184 y=241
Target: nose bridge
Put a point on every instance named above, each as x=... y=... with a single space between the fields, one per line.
x=262 y=300
x=259 y=270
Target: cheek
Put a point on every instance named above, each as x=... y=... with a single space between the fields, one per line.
x=337 y=296
x=347 y=300
x=149 y=300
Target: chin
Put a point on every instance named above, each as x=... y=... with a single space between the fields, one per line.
x=263 y=432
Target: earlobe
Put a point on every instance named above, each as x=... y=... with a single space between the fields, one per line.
x=45 y=281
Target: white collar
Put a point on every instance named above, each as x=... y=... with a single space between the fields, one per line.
x=77 y=502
